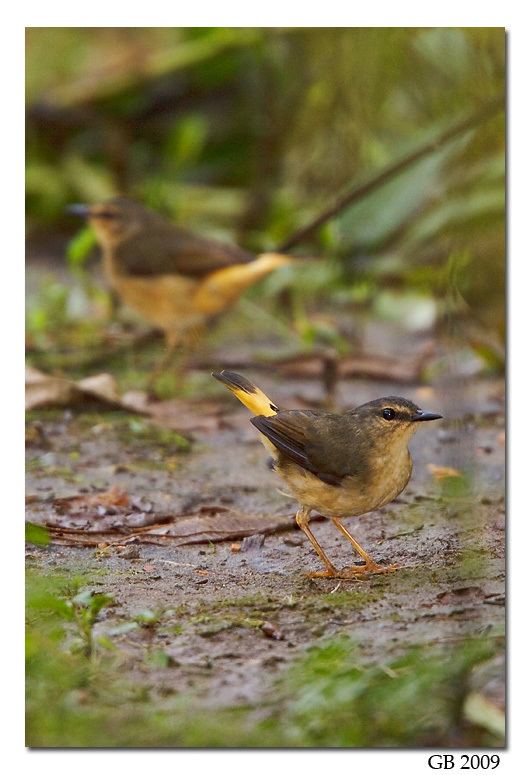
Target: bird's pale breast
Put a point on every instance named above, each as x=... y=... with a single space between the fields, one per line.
x=165 y=301
x=353 y=496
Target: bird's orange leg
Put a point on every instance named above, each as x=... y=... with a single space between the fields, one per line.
x=370 y=565
x=302 y=516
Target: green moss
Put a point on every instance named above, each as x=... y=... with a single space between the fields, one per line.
x=151 y=433
x=36 y=467
x=350 y=599
x=257 y=600
x=472 y=563
x=44 y=415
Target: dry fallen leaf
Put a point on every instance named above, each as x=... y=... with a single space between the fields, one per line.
x=96 y=518
x=482 y=712
x=443 y=472
x=91 y=501
x=235 y=547
x=45 y=390
x=176 y=414
x=101 y=516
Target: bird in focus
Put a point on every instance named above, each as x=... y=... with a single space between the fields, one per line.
x=341 y=465
x=175 y=280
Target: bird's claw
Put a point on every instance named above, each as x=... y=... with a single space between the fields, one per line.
x=367 y=569
x=329 y=573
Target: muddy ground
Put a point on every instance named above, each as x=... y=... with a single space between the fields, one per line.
x=231 y=616
x=218 y=615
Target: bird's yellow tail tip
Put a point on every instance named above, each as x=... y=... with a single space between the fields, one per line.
x=249 y=394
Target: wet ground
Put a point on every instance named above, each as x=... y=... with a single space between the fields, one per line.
x=210 y=603
x=226 y=618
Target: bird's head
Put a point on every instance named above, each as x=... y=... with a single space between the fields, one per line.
x=392 y=420
x=115 y=219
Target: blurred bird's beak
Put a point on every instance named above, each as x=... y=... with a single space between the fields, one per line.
x=424 y=416
x=82 y=211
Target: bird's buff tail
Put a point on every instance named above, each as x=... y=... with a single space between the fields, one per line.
x=221 y=289
x=251 y=396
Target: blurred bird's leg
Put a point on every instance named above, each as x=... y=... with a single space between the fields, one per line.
x=302 y=518
x=370 y=565
x=114 y=304
x=187 y=343
x=190 y=341
x=172 y=341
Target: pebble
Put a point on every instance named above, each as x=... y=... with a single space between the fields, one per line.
x=272 y=631
x=252 y=543
x=130 y=553
x=293 y=540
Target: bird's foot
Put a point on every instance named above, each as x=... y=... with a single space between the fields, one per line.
x=329 y=573
x=366 y=569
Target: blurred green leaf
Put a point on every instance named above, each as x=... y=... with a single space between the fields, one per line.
x=392 y=205
x=146 y=617
x=80 y=247
x=36 y=534
x=185 y=143
x=159 y=659
x=122 y=629
x=445 y=48
x=92 y=601
x=90 y=182
x=332 y=696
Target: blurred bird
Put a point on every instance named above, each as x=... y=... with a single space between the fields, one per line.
x=174 y=279
x=342 y=465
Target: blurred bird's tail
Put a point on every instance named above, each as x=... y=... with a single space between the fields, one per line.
x=221 y=288
x=251 y=396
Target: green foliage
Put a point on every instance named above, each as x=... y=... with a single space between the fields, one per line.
x=79 y=247
x=85 y=607
x=246 y=134
x=62 y=316
x=147 y=618
x=51 y=311
x=185 y=143
x=36 y=534
x=330 y=696
x=335 y=700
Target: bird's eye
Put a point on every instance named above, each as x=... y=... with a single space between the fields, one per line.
x=389 y=414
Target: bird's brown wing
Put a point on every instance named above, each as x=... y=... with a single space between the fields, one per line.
x=170 y=250
x=320 y=442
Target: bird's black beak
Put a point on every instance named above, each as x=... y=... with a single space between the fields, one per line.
x=424 y=416
x=82 y=211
